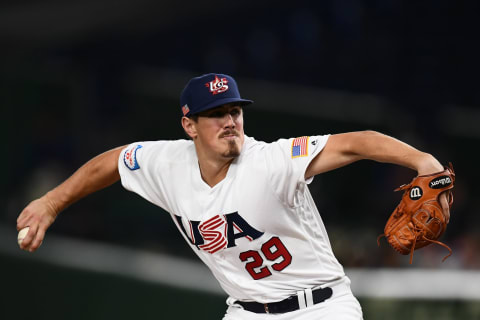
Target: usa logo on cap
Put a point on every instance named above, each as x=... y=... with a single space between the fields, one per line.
x=217 y=85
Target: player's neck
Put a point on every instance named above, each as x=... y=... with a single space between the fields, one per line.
x=212 y=171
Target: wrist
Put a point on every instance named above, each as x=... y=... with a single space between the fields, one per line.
x=428 y=164
x=52 y=202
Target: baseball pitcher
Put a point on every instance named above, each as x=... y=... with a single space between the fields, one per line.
x=242 y=205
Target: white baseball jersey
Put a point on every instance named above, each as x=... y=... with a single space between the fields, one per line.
x=258 y=230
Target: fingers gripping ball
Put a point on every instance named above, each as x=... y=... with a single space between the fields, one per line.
x=419 y=220
x=22 y=234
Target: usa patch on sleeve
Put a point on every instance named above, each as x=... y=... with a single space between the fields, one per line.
x=300 y=147
x=130 y=157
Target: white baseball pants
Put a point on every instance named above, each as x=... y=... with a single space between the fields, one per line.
x=341 y=305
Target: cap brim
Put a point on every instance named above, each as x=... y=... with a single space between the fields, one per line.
x=220 y=102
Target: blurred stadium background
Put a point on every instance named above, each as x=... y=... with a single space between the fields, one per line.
x=80 y=77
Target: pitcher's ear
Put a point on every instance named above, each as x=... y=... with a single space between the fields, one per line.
x=189 y=125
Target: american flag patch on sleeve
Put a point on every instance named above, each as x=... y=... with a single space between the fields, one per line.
x=300 y=147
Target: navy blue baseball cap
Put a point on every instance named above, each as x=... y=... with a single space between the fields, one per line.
x=209 y=91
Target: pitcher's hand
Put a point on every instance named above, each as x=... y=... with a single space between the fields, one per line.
x=38 y=215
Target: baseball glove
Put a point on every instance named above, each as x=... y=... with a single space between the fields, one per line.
x=418 y=220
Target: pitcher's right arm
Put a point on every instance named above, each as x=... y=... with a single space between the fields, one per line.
x=98 y=173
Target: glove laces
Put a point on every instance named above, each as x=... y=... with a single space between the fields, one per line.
x=419 y=235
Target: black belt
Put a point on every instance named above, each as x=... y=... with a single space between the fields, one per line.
x=287 y=305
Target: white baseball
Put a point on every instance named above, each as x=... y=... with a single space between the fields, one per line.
x=22 y=234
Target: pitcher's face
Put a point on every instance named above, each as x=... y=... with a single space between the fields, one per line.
x=220 y=131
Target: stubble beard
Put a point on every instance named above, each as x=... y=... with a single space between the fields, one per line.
x=234 y=146
x=233 y=150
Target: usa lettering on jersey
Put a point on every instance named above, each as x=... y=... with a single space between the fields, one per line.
x=213 y=232
x=219 y=232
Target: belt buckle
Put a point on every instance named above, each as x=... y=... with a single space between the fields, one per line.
x=265 y=305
